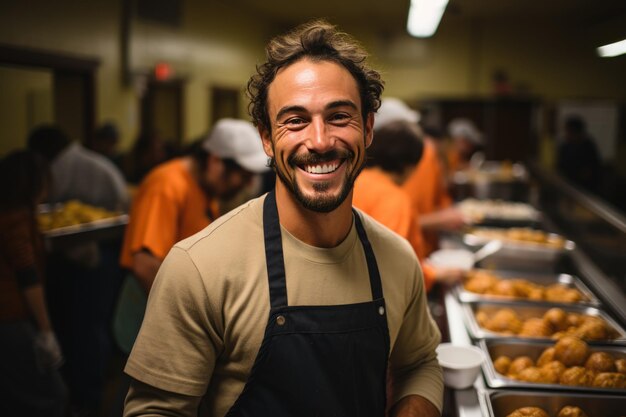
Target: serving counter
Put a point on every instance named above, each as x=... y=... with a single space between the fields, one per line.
x=598 y=260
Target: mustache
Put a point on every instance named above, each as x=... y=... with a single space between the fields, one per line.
x=314 y=158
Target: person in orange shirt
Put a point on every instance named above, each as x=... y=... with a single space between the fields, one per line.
x=180 y=197
x=467 y=144
x=395 y=152
x=426 y=186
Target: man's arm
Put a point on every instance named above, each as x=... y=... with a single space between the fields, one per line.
x=145 y=268
x=414 y=406
x=144 y=399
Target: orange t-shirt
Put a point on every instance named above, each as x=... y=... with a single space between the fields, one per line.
x=168 y=206
x=377 y=195
x=426 y=188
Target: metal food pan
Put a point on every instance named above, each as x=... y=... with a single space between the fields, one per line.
x=523 y=251
x=539 y=279
x=501 y=403
x=527 y=310
x=533 y=349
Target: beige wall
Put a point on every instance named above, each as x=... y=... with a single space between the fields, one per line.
x=220 y=45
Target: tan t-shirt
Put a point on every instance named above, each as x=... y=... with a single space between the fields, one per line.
x=209 y=306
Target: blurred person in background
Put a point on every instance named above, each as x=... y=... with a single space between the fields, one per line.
x=105 y=141
x=30 y=356
x=78 y=173
x=83 y=276
x=427 y=184
x=466 y=148
x=392 y=158
x=578 y=158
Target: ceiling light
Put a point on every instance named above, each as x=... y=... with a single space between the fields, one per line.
x=424 y=17
x=612 y=49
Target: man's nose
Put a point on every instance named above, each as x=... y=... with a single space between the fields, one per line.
x=320 y=140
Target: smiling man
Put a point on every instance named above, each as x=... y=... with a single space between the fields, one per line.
x=294 y=304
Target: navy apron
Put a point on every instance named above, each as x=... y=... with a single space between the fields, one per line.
x=322 y=361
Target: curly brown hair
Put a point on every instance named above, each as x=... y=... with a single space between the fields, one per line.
x=317 y=40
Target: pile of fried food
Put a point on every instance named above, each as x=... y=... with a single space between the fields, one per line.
x=567 y=411
x=568 y=362
x=486 y=282
x=478 y=210
x=524 y=235
x=555 y=323
x=71 y=213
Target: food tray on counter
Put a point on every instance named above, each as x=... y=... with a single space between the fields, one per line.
x=493 y=348
x=500 y=213
x=525 y=311
x=569 y=281
x=108 y=228
x=522 y=250
x=501 y=403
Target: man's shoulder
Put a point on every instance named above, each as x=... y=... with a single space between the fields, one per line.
x=241 y=228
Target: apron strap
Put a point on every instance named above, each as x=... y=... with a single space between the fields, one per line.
x=274 y=252
x=372 y=265
x=276 y=263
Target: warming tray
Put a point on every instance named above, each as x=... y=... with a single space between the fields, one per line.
x=533 y=348
x=536 y=278
x=526 y=310
x=523 y=251
x=501 y=403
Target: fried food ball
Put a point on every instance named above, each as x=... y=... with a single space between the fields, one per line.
x=529 y=412
x=620 y=366
x=609 y=380
x=552 y=372
x=519 y=363
x=571 y=411
x=557 y=318
x=505 y=320
x=481 y=318
x=505 y=288
x=502 y=364
x=571 y=351
x=531 y=374
x=592 y=328
x=522 y=287
x=600 y=362
x=546 y=356
x=536 y=293
x=577 y=375
x=561 y=293
x=575 y=320
x=535 y=327
x=480 y=282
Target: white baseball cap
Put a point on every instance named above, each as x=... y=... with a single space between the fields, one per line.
x=392 y=110
x=240 y=141
x=465 y=128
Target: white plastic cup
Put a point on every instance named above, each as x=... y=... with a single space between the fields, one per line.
x=460 y=364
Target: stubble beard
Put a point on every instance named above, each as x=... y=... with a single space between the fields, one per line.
x=321 y=202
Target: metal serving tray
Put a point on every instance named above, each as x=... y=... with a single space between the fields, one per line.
x=526 y=310
x=533 y=349
x=501 y=403
x=522 y=255
x=536 y=278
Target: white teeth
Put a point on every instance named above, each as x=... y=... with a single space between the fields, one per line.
x=321 y=169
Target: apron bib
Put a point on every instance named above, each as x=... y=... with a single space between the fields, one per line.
x=321 y=361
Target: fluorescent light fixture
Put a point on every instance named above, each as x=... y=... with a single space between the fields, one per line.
x=424 y=17
x=612 y=49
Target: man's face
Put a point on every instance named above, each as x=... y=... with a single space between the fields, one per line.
x=224 y=181
x=318 y=136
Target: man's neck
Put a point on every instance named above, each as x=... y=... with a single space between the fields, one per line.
x=323 y=230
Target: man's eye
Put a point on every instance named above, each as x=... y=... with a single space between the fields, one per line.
x=294 y=121
x=339 y=117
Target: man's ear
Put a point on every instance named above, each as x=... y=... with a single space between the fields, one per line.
x=266 y=138
x=369 y=129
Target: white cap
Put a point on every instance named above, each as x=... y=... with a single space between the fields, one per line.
x=465 y=128
x=393 y=110
x=238 y=140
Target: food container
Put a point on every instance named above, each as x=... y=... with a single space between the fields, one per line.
x=513 y=348
x=521 y=255
x=545 y=280
x=500 y=213
x=460 y=364
x=526 y=310
x=501 y=403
